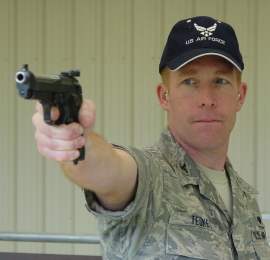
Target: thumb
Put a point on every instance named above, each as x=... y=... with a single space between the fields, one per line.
x=87 y=115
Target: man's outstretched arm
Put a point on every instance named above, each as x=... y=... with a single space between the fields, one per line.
x=110 y=173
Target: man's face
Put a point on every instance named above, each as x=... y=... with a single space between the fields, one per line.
x=202 y=101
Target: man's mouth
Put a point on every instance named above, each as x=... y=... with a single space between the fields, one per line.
x=208 y=120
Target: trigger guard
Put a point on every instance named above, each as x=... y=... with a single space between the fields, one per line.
x=47 y=113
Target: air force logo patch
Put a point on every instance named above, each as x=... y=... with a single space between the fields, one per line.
x=206 y=31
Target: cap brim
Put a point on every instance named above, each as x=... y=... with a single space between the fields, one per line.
x=181 y=60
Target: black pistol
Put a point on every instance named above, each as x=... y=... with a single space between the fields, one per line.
x=62 y=91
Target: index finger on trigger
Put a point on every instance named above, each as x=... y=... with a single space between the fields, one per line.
x=54 y=111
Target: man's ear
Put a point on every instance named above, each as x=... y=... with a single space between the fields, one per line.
x=242 y=92
x=163 y=96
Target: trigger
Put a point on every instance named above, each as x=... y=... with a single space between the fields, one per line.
x=47 y=113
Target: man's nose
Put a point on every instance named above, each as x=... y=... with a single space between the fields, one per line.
x=207 y=97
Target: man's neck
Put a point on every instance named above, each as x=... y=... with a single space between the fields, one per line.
x=212 y=158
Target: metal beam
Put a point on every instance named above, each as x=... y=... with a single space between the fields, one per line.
x=52 y=238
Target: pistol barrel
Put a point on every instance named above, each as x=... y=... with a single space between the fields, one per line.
x=21 y=77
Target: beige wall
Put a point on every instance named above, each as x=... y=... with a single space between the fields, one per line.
x=117 y=46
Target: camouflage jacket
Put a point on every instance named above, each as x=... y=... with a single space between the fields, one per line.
x=178 y=214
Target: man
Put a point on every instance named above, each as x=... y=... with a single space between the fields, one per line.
x=179 y=198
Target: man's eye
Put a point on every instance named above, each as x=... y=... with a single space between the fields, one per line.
x=189 y=81
x=222 y=81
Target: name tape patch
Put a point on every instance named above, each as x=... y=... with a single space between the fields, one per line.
x=199 y=221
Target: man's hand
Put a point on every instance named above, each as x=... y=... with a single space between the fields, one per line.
x=61 y=143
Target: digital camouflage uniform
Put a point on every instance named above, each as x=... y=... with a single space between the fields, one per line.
x=178 y=214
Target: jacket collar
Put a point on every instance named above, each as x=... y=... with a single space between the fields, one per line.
x=178 y=158
x=182 y=164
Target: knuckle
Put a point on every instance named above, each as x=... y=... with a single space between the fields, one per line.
x=62 y=145
x=55 y=145
x=35 y=119
x=50 y=131
x=63 y=156
x=42 y=150
x=73 y=130
x=65 y=132
x=70 y=133
x=80 y=142
x=46 y=141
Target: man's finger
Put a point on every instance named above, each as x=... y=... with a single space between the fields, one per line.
x=59 y=144
x=54 y=111
x=58 y=156
x=64 y=132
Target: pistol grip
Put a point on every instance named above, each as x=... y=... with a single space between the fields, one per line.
x=81 y=157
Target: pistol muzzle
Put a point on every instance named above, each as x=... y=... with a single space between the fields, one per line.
x=21 y=77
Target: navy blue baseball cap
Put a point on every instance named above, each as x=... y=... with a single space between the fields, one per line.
x=199 y=36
